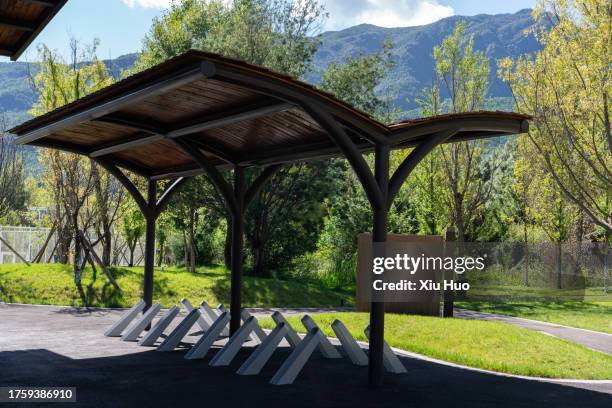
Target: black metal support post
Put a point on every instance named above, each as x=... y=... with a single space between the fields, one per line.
x=149 y=255
x=379 y=235
x=237 y=243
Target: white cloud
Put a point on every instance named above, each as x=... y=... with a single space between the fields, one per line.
x=384 y=13
x=148 y=3
x=347 y=13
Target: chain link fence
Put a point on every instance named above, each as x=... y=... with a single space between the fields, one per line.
x=27 y=242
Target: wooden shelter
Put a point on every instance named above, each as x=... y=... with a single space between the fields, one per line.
x=21 y=21
x=201 y=113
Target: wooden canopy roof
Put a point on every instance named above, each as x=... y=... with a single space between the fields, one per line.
x=21 y=21
x=235 y=113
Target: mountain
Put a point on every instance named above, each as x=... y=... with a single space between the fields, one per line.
x=17 y=95
x=497 y=35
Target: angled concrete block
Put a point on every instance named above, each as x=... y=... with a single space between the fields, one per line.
x=349 y=345
x=391 y=361
x=292 y=336
x=133 y=332
x=327 y=349
x=175 y=337
x=206 y=310
x=202 y=323
x=290 y=369
x=263 y=352
x=221 y=309
x=200 y=349
x=120 y=325
x=225 y=356
x=153 y=334
x=258 y=335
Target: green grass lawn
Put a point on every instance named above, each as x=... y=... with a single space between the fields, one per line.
x=481 y=344
x=54 y=284
x=586 y=315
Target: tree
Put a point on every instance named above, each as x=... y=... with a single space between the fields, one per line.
x=277 y=34
x=566 y=87
x=272 y=33
x=132 y=228
x=12 y=179
x=285 y=220
x=70 y=178
x=462 y=75
x=356 y=80
x=109 y=196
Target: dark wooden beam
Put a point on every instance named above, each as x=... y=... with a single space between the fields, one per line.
x=258 y=183
x=414 y=158
x=165 y=84
x=168 y=193
x=127 y=183
x=16 y=24
x=156 y=133
x=44 y=3
x=222 y=153
x=131 y=122
x=52 y=9
x=351 y=152
x=277 y=89
x=229 y=116
x=110 y=148
x=5 y=51
x=215 y=176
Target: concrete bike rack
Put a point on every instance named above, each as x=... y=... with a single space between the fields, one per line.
x=120 y=325
x=133 y=332
x=221 y=309
x=294 y=364
x=203 y=323
x=391 y=361
x=349 y=345
x=153 y=334
x=175 y=337
x=225 y=356
x=327 y=349
x=292 y=336
x=257 y=335
x=203 y=345
x=264 y=351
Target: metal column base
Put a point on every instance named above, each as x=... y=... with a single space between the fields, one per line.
x=391 y=361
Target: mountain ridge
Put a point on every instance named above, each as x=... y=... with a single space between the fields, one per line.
x=498 y=35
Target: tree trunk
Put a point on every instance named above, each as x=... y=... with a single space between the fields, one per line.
x=185 y=251
x=558 y=264
x=107 y=248
x=227 y=250
x=257 y=244
x=192 y=246
x=132 y=248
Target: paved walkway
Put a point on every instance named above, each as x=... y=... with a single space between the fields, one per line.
x=54 y=346
x=589 y=338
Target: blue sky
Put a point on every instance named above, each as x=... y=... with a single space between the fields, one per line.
x=120 y=25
